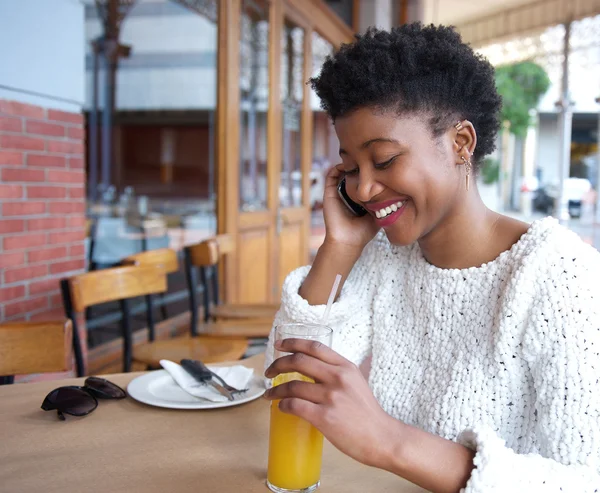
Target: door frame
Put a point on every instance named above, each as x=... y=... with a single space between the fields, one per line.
x=312 y=15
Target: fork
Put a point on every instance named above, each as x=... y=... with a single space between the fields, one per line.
x=208 y=371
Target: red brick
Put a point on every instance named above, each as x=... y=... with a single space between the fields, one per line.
x=24 y=241
x=56 y=300
x=25 y=273
x=76 y=133
x=50 y=315
x=46 y=223
x=23 y=174
x=11 y=226
x=47 y=286
x=47 y=254
x=20 y=109
x=76 y=222
x=12 y=293
x=63 y=116
x=66 y=207
x=23 y=208
x=22 y=142
x=11 y=157
x=65 y=237
x=67 y=266
x=26 y=306
x=11 y=191
x=43 y=128
x=10 y=124
x=46 y=160
x=76 y=163
x=76 y=250
x=44 y=192
x=11 y=259
x=76 y=192
x=59 y=176
x=65 y=147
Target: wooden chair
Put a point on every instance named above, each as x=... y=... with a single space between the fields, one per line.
x=206 y=349
x=34 y=347
x=116 y=284
x=203 y=258
x=226 y=346
x=166 y=258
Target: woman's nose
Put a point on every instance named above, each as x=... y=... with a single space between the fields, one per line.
x=367 y=188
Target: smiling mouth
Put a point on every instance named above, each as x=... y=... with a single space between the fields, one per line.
x=386 y=211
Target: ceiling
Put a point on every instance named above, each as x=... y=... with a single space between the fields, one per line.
x=460 y=11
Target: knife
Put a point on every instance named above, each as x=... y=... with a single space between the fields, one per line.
x=202 y=374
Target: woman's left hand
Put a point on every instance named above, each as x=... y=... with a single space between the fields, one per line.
x=340 y=403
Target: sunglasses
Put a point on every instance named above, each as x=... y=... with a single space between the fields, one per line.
x=81 y=401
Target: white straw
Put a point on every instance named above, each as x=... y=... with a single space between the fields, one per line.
x=334 y=289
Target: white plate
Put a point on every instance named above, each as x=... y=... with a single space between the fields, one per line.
x=158 y=388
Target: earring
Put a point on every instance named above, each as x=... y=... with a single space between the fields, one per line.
x=468 y=166
x=458 y=126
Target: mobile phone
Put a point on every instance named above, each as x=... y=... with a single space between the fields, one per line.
x=356 y=209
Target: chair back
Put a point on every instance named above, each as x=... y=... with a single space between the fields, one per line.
x=204 y=257
x=166 y=258
x=118 y=283
x=35 y=347
x=208 y=252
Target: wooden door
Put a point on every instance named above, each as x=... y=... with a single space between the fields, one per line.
x=293 y=219
x=265 y=136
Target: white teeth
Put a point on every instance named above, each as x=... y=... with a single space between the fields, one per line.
x=380 y=214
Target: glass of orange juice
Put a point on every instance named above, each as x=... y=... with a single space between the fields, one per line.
x=295 y=446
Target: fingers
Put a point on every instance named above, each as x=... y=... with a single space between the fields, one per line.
x=333 y=177
x=315 y=349
x=300 y=363
x=306 y=410
x=297 y=389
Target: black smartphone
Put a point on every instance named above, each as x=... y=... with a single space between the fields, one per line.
x=356 y=209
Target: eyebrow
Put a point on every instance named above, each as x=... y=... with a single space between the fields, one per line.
x=372 y=141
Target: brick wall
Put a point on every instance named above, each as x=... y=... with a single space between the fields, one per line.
x=42 y=208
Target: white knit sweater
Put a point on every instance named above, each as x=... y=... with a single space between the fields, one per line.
x=504 y=358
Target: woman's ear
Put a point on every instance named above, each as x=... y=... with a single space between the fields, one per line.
x=465 y=141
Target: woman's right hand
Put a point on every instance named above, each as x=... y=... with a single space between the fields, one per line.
x=342 y=228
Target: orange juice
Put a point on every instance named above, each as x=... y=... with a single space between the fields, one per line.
x=295 y=447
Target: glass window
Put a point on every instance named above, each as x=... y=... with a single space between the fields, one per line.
x=151 y=87
x=254 y=104
x=292 y=95
x=325 y=144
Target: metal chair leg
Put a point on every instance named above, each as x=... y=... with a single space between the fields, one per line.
x=163 y=307
x=192 y=282
x=71 y=315
x=150 y=317
x=127 y=336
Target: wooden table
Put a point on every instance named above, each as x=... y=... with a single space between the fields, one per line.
x=125 y=446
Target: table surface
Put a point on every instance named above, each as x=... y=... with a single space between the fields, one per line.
x=126 y=446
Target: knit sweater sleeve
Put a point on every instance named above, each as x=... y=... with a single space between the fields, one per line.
x=562 y=347
x=352 y=313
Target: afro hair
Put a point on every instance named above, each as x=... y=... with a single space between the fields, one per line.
x=414 y=69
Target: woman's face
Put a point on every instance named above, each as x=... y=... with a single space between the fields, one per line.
x=398 y=171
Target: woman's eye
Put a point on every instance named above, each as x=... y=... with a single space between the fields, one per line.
x=351 y=172
x=385 y=164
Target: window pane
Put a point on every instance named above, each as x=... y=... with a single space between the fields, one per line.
x=254 y=104
x=292 y=92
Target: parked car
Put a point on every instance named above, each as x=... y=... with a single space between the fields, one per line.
x=545 y=198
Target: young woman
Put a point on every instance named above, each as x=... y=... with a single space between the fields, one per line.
x=483 y=332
